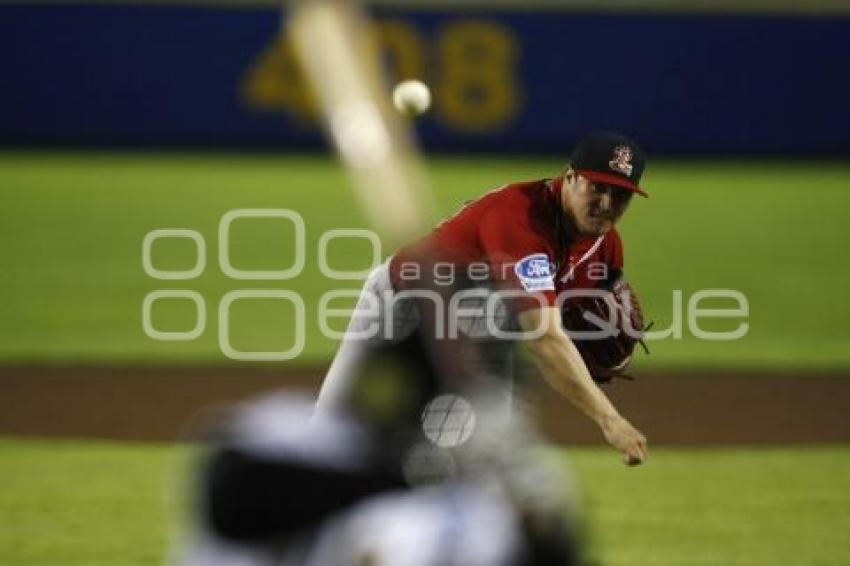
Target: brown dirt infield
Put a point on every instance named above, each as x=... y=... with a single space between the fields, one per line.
x=693 y=408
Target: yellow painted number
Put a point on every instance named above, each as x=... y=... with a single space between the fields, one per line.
x=402 y=48
x=475 y=86
x=478 y=91
x=275 y=82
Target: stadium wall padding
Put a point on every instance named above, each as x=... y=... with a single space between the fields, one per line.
x=508 y=80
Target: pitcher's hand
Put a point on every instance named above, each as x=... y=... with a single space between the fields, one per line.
x=627 y=439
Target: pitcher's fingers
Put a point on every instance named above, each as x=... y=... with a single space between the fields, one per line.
x=634 y=457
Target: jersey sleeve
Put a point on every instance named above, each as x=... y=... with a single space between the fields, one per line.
x=520 y=261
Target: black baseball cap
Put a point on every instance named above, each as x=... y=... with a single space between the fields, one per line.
x=610 y=157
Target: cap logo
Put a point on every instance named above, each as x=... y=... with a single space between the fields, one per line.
x=622 y=160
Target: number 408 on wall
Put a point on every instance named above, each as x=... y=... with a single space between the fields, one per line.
x=470 y=64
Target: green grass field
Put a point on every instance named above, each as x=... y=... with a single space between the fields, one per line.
x=81 y=503
x=72 y=226
x=72 y=287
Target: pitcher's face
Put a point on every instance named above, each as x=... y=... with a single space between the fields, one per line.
x=593 y=208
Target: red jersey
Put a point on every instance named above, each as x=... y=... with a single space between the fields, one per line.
x=517 y=234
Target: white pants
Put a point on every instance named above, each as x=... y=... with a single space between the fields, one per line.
x=358 y=343
x=383 y=317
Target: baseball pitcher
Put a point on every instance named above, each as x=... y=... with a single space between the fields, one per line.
x=535 y=244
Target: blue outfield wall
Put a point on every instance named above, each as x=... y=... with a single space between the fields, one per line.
x=519 y=80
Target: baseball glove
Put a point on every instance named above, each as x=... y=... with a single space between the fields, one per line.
x=605 y=329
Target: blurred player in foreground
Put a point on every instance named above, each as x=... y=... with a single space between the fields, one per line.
x=284 y=484
x=279 y=488
x=535 y=244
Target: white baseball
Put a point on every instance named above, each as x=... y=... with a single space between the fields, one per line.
x=412 y=97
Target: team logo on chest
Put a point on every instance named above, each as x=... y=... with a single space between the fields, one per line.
x=622 y=160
